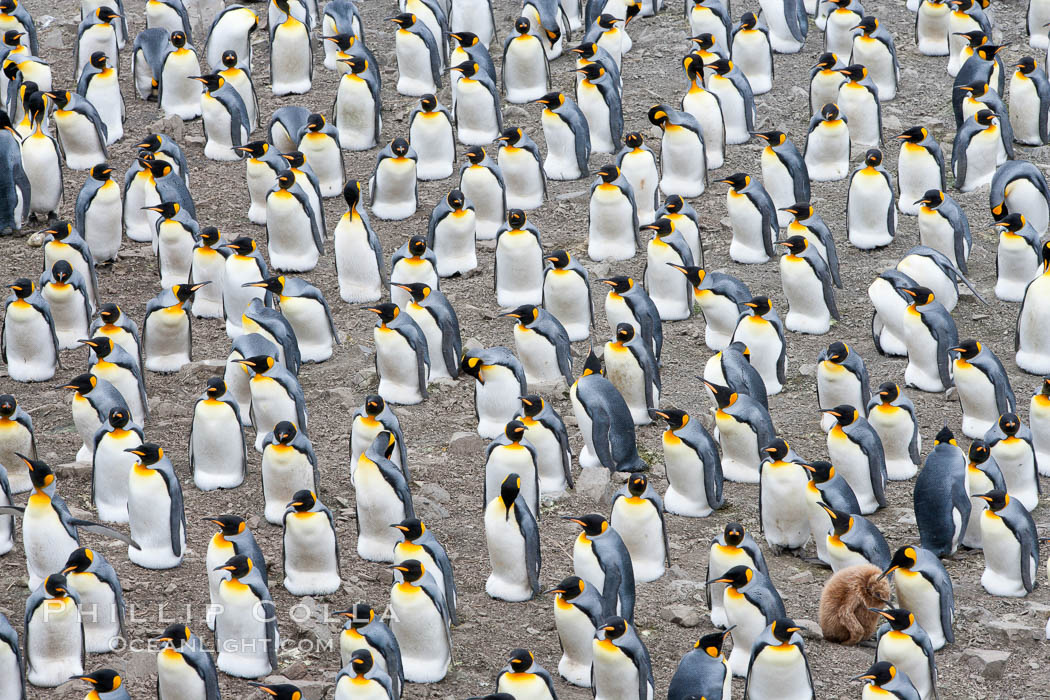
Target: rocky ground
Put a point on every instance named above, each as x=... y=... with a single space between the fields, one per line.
x=998 y=651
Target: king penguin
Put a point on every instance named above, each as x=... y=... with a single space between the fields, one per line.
x=601 y=556
x=513 y=542
x=924 y=587
x=605 y=421
x=942 y=505
x=856 y=449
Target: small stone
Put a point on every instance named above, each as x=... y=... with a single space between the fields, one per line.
x=434 y=493
x=810 y=629
x=807 y=370
x=366 y=377
x=600 y=270
x=592 y=483
x=532 y=630
x=295 y=671
x=513 y=113
x=170 y=126
x=429 y=510
x=465 y=444
x=53 y=39
x=1010 y=630
x=196 y=139
x=572 y=195
x=36 y=240
x=72 y=469
x=990 y=663
x=681 y=615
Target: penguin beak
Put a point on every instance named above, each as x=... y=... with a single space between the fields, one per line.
x=719 y=580
x=796 y=629
x=90 y=343
x=887 y=572
x=883 y=613
x=511 y=314
x=135 y=451
x=254 y=284
x=223 y=568
x=956 y=349
x=783 y=243
x=89 y=679
x=405 y=287
x=372 y=309
x=751 y=304
x=661 y=414
x=866 y=677
x=156 y=209
x=808 y=467
x=573 y=520
x=68 y=569
x=199 y=78
x=826 y=507
x=832 y=412
x=560 y=591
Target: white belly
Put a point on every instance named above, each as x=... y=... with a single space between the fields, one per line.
x=285 y=470
x=909 y=658
x=853 y=466
x=509 y=579
x=625 y=373
x=377 y=507
x=705 y=109
x=668 y=288
x=149 y=517
x=355 y=115
x=895 y=428
x=434 y=336
x=240 y=633
x=54 y=651
x=739 y=444
x=576 y=633
x=782 y=672
x=1024 y=198
x=1016 y=461
x=312 y=330
x=100 y=613
x=745 y=219
x=454 y=243
x=807 y=310
x=421 y=633
x=323 y=155
x=751 y=53
x=413 y=65
x=68 y=314
x=290 y=241
x=642 y=530
x=734 y=113
x=615 y=675
x=984 y=154
x=271 y=404
x=917 y=172
x=291 y=74
x=218 y=130
x=766 y=346
x=827 y=151
x=475 y=114
x=42 y=166
x=217 y=455
x=549 y=454
x=923 y=371
x=519 y=274
x=505 y=460
x=310 y=563
x=1033 y=329
x=560 y=163
x=181 y=96
x=595 y=109
x=46 y=543
x=355 y=262
x=748 y=624
x=112 y=466
x=870 y=211
x=686 y=494
x=481 y=187
x=431 y=137
x=683 y=161
x=525 y=70
x=522 y=176
x=496 y=401
x=102 y=223
x=784 y=514
x=176 y=679
x=611 y=234
x=565 y=296
x=1002 y=559
x=916 y=594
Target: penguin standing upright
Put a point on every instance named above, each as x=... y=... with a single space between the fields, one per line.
x=525 y=69
x=520 y=163
x=667 y=254
x=402 y=359
x=155 y=512
x=854 y=541
x=294 y=241
x=601 y=556
x=318 y=141
x=358 y=107
x=1011 y=546
x=605 y=421
x=983 y=387
x=481 y=182
x=1030 y=345
x=784 y=173
x=621 y=667
x=892 y=414
x=517 y=276
x=943 y=226
x=419 y=543
x=743 y=425
x=567 y=294
x=1038 y=417
x=434 y=315
x=1017 y=258
x=68 y=299
x=117 y=366
x=419 y=56
x=612 y=232
x=683 y=157
x=306 y=311
x=598 y=96
x=567 y=135
x=874 y=48
x=751 y=602
x=98 y=213
x=542 y=345
x=111 y=465
x=629 y=302
x=29 y=345
x=931 y=27
x=513 y=539
x=430 y=129
x=451 y=233
x=703 y=667
x=752 y=53
x=176 y=234
x=901 y=641
x=262 y=166
x=43 y=167
x=782 y=510
x=545 y=431
x=240 y=78
x=226 y=122
x=632 y=368
x=719 y=297
x=930 y=332
x=477 y=111
x=291 y=53
x=760 y=329
x=207 y=267
x=804 y=273
x=641 y=172
x=276 y=396
x=1020 y=187
x=828 y=143
x=412 y=262
x=420 y=623
x=871 y=217
x=856 y=449
x=982 y=475
x=393 y=190
x=96 y=32
x=779 y=666
x=365 y=631
x=16 y=429
x=706 y=107
x=979 y=148
x=288 y=466
x=246 y=624
x=1010 y=442
x=924 y=587
x=90 y=575
x=730 y=548
x=499 y=381
x=244 y=264
x=217 y=460
x=578 y=611
x=310 y=551
x=93 y=399
x=920 y=167
x=54 y=636
x=842 y=378
x=690 y=451
x=184 y=666
x=13 y=683
x=752 y=218
x=942 y=505
x=1029 y=95
x=359 y=261
x=827 y=492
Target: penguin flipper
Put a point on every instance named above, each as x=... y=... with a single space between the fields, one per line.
x=12 y=510
x=530 y=533
x=104 y=530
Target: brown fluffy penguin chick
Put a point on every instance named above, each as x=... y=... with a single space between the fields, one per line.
x=844 y=603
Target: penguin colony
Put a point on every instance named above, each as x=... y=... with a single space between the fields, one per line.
x=562 y=397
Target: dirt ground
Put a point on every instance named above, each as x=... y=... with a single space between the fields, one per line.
x=448 y=479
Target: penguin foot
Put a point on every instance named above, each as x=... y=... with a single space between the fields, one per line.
x=816 y=561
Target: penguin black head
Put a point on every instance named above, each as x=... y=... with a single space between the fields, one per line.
x=1026 y=65
x=157 y=168
x=522 y=25
x=1009 y=423
x=79 y=561
x=279 y=691
x=104 y=680
x=661 y=227
x=475 y=156
x=403 y=20
x=675 y=417
x=705 y=41
x=867 y=24
x=634 y=140
x=559 y=259
x=356 y=64
x=899 y=618
x=12 y=37
x=774 y=138
x=101 y=171
x=361 y=661
x=244 y=245
x=511 y=135
x=531 y=405
x=931 y=199
x=273 y=284
x=733 y=534
x=284 y=432
x=840 y=522
x=521 y=660
x=760 y=306
x=411 y=570
x=903 y=558
x=303 y=500
x=819 y=470
x=586 y=50
x=855 y=72
x=637 y=485
x=148 y=453
x=748 y=20
x=987 y=52
x=55 y=586
x=418 y=290
x=844 y=414
x=614 y=627
x=8 y=404
x=374 y=405
x=167 y=210
x=296 y=159
x=411 y=528
x=1046 y=256
x=722 y=66
x=881 y=672
x=384 y=443
x=996 y=498
x=428 y=103
x=592 y=524
x=741 y=348
x=967 y=349
x=609 y=174
x=174 y=635
x=592 y=71
x=516 y=219
x=352 y=194
x=620 y=284
x=693 y=64
x=724 y=396
x=103 y=13
x=118 y=417
x=658 y=115
x=209 y=236
x=796 y=245
x=286 y=179
x=830 y=112
x=592 y=365
x=417 y=245
x=254 y=149
x=777 y=450
x=102 y=345
x=465 y=39
x=737 y=181
x=827 y=61
x=888 y=392
x=98 y=60
x=1011 y=222
x=607 y=21
x=977 y=88
x=915 y=134
x=624 y=333
x=229 y=525
x=62 y=99
x=985 y=117
x=468 y=68
x=60 y=230
x=211 y=82
x=711 y=644
x=82 y=383
x=569 y=587
x=979 y=452
x=315 y=122
x=509 y=490
x=229 y=58
x=359 y=614
x=514 y=430
x=838 y=352
x=472 y=365
x=737 y=577
x=552 y=100
x=178 y=39
x=526 y=314
x=61 y=271
x=260 y=364
x=239 y=566
x=674 y=204
x=873 y=158
x=921 y=295
x=151 y=143
x=783 y=629
x=342 y=41
x=12 y=72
